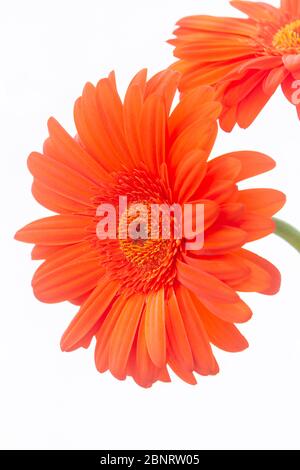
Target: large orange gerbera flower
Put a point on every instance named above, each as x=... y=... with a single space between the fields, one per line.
x=153 y=303
x=246 y=58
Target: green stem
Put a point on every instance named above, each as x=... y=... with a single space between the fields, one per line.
x=288 y=233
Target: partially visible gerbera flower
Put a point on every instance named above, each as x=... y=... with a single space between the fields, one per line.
x=247 y=59
x=153 y=303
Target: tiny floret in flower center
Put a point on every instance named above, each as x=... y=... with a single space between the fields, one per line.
x=287 y=39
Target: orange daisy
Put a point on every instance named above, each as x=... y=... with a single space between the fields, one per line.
x=247 y=59
x=153 y=303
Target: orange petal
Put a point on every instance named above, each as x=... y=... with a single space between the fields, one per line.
x=229 y=267
x=218 y=189
x=228 y=118
x=67 y=282
x=104 y=334
x=163 y=84
x=205 y=363
x=189 y=110
x=183 y=374
x=123 y=335
x=262 y=201
x=146 y=371
x=152 y=130
x=44 y=251
x=89 y=313
x=155 y=328
x=231 y=213
x=253 y=163
x=63 y=257
x=274 y=79
x=65 y=149
x=237 y=312
x=204 y=285
x=223 y=239
x=211 y=212
x=264 y=276
x=110 y=110
x=238 y=90
x=55 y=230
x=222 y=334
x=61 y=179
x=291 y=6
x=57 y=202
x=292 y=64
x=258 y=11
x=256 y=226
x=133 y=104
x=200 y=135
x=224 y=168
x=219 y=24
x=251 y=106
x=177 y=334
x=189 y=174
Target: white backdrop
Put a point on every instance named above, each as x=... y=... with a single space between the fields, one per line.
x=55 y=400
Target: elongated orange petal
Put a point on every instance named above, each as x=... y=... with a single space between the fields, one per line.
x=189 y=174
x=146 y=371
x=203 y=284
x=183 y=374
x=152 y=130
x=257 y=10
x=274 y=79
x=133 y=104
x=291 y=6
x=264 y=276
x=251 y=106
x=123 y=335
x=67 y=255
x=256 y=226
x=89 y=313
x=204 y=359
x=177 y=333
x=237 y=312
x=104 y=334
x=55 y=230
x=65 y=149
x=155 y=328
x=67 y=282
x=252 y=163
x=44 y=251
x=211 y=211
x=220 y=24
x=236 y=92
x=223 y=239
x=225 y=168
x=163 y=84
x=61 y=179
x=222 y=334
x=59 y=203
x=262 y=201
x=229 y=267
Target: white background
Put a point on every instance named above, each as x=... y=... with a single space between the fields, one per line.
x=55 y=400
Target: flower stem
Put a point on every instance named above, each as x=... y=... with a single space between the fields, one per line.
x=288 y=233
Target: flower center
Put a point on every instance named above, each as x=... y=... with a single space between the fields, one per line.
x=143 y=255
x=287 y=39
x=143 y=240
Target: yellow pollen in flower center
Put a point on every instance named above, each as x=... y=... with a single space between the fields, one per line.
x=145 y=252
x=288 y=37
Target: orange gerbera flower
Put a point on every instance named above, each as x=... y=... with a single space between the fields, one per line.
x=150 y=303
x=247 y=59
